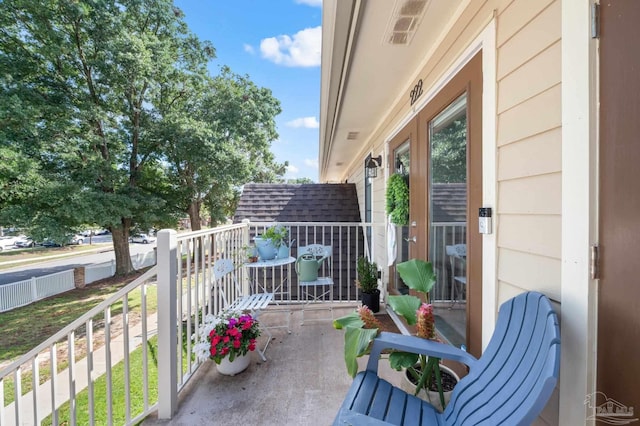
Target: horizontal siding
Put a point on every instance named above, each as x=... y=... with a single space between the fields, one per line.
x=530 y=272
x=536 y=115
x=534 y=234
x=536 y=155
x=539 y=195
x=517 y=15
x=540 y=74
x=543 y=31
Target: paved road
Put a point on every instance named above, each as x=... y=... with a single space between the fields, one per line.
x=56 y=265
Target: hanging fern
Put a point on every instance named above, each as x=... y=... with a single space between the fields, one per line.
x=398 y=199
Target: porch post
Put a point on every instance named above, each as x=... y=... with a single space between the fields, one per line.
x=246 y=284
x=167 y=324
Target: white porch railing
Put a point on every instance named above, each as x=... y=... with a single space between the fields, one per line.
x=101 y=368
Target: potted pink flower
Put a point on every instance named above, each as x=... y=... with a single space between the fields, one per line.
x=227 y=339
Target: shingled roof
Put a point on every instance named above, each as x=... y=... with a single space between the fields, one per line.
x=268 y=202
x=449 y=202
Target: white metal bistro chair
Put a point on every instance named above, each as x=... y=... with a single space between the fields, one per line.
x=458 y=260
x=308 y=290
x=225 y=283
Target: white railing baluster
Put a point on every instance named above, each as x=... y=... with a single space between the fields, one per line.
x=127 y=364
x=144 y=346
x=17 y=392
x=71 y=353
x=107 y=357
x=53 y=360
x=90 y=388
x=35 y=384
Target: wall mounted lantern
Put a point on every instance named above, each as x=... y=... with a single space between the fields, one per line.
x=371 y=165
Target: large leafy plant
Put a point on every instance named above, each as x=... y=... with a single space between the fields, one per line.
x=360 y=329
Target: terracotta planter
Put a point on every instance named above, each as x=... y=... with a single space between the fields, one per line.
x=239 y=364
x=433 y=397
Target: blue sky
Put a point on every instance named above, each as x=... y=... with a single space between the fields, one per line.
x=277 y=44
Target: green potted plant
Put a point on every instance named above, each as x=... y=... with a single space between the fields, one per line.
x=360 y=331
x=250 y=253
x=271 y=240
x=367 y=281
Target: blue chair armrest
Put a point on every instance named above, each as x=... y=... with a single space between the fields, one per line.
x=416 y=345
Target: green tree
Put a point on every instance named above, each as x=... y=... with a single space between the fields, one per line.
x=217 y=138
x=77 y=85
x=449 y=152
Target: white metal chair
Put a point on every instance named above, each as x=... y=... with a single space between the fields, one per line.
x=457 y=256
x=225 y=283
x=308 y=290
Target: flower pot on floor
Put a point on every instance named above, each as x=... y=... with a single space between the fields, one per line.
x=372 y=300
x=449 y=377
x=238 y=365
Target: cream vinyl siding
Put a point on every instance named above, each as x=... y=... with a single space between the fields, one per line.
x=529 y=143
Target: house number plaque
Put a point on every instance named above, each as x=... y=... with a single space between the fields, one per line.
x=416 y=92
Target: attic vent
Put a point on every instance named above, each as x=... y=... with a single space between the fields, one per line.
x=404 y=21
x=351 y=136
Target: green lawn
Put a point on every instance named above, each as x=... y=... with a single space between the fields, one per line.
x=18 y=335
x=118 y=395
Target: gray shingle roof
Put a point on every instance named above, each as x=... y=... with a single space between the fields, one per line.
x=449 y=202
x=267 y=202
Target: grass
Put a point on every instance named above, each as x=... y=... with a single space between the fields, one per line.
x=18 y=334
x=118 y=395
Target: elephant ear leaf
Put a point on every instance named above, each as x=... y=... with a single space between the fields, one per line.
x=356 y=344
x=406 y=306
x=350 y=320
x=417 y=274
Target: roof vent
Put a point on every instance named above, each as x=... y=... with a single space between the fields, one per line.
x=404 y=21
x=351 y=136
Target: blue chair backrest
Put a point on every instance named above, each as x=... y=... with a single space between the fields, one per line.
x=514 y=378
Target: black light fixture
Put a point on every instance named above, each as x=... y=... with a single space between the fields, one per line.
x=371 y=165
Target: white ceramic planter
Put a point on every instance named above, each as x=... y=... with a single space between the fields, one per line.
x=432 y=397
x=239 y=364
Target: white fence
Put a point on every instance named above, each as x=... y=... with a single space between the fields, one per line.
x=22 y=293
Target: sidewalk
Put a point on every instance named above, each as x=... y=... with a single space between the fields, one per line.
x=80 y=378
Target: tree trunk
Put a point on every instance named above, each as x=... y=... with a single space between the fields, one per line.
x=120 y=236
x=194 y=215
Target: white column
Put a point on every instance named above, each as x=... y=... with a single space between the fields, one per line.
x=167 y=324
x=579 y=218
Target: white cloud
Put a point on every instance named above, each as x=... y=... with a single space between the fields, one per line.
x=314 y=3
x=292 y=169
x=301 y=50
x=313 y=163
x=248 y=48
x=306 y=122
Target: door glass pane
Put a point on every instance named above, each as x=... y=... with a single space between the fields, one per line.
x=448 y=218
x=401 y=164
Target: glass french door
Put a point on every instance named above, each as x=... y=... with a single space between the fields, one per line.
x=447 y=219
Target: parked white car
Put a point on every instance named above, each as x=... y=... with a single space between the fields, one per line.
x=142 y=238
x=7 y=242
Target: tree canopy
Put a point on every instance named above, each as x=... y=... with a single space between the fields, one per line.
x=109 y=116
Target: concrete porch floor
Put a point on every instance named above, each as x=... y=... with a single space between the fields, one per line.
x=302 y=382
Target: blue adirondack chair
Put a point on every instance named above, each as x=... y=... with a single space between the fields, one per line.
x=510 y=384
